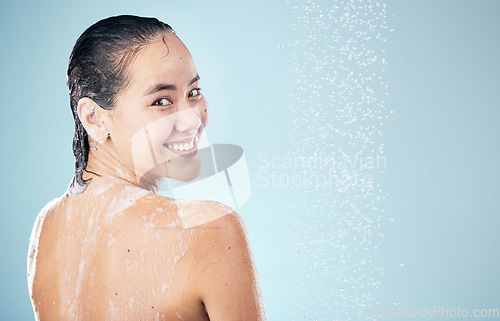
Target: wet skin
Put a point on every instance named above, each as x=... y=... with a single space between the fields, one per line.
x=118 y=251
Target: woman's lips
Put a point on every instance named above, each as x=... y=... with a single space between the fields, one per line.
x=185 y=148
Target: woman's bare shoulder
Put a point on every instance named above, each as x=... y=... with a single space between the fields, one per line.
x=192 y=223
x=156 y=211
x=225 y=273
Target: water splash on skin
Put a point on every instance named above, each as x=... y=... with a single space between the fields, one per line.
x=112 y=309
x=128 y=197
x=164 y=288
x=79 y=279
x=195 y=213
x=338 y=105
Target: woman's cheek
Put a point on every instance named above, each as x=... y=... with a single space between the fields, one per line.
x=204 y=113
x=158 y=132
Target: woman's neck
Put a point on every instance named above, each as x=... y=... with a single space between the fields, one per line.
x=103 y=161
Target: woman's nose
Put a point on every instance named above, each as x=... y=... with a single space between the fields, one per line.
x=188 y=119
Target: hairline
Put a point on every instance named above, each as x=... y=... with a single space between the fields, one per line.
x=128 y=58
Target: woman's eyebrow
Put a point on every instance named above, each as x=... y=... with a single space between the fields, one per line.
x=159 y=87
x=195 y=79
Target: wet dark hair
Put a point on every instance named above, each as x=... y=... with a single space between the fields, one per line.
x=98 y=69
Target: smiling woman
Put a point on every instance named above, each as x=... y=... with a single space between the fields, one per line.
x=110 y=248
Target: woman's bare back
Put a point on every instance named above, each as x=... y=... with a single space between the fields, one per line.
x=119 y=252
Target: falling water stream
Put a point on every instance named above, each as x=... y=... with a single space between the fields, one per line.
x=338 y=103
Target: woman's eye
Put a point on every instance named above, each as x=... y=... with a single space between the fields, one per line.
x=162 y=102
x=195 y=92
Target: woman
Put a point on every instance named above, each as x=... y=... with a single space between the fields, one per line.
x=110 y=248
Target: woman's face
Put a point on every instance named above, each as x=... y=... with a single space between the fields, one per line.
x=160 y=115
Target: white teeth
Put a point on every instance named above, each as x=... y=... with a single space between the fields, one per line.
x=183 y=146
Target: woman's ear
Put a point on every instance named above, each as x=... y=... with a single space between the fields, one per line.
x=91 y=118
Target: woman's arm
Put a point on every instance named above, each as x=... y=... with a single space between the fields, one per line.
x=226 y=275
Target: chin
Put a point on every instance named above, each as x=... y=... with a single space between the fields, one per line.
x=186 y=176
x=182 y=170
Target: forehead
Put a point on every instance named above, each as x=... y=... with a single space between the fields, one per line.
x=165 y=60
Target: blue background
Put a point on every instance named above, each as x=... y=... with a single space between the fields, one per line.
x=436 y=236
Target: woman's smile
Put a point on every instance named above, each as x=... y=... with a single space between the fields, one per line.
x=185 y=148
